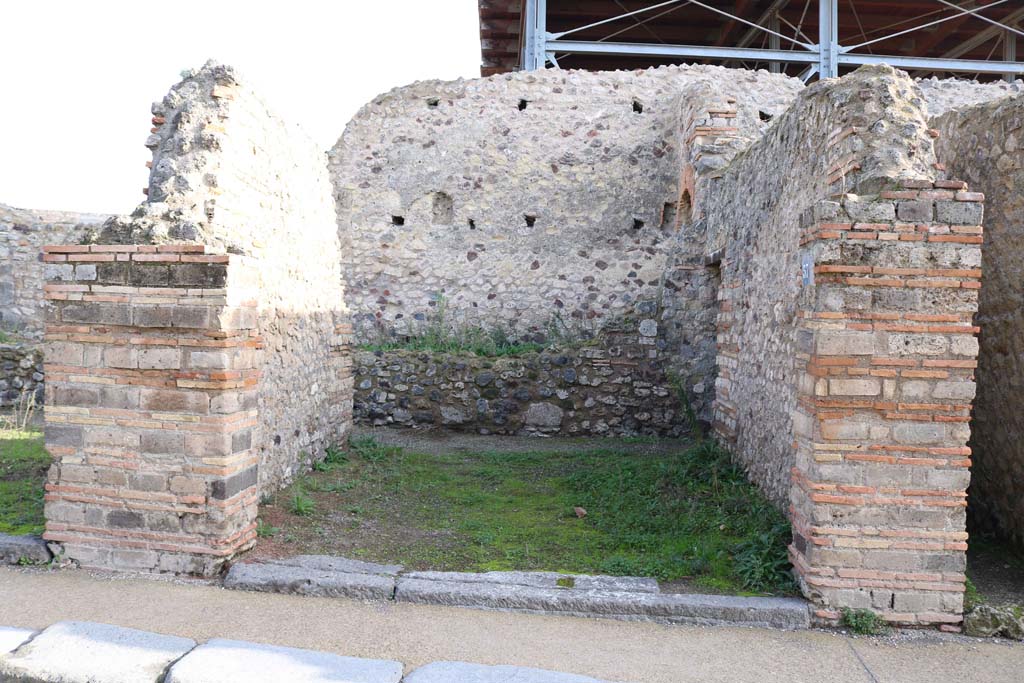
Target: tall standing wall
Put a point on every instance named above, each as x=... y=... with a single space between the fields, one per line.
x=198 y=354
x=846 y=344
x=546 y=205
x=984 y=144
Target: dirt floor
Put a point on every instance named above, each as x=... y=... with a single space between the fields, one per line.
x=997 y=571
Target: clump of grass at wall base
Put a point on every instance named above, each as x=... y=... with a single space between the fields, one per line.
x=23 y=465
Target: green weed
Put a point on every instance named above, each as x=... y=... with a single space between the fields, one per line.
x=335 y=455
x=972 y=598
x=265 y=530
x=863 y=622
x=367 y=448
x=301 y=504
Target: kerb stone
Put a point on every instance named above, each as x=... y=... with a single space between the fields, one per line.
x=276 y=578
x=220 y=660
x=84 y=652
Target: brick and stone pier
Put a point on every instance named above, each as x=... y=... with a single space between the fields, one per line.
x=152 y=371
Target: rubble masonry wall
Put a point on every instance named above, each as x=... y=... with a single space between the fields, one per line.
x=983 y=145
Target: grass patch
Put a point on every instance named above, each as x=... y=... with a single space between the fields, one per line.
x=688 y=515
x=864 y=622
x=473 y=340
x=23 y=465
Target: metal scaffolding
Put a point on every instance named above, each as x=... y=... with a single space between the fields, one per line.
x=824 y=58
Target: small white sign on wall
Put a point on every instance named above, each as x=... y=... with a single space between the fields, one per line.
x=807 y=267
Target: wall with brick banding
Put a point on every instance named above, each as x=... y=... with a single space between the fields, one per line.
x=239 y=392
x=152 y=468
x=983 y=145
x=847 y=345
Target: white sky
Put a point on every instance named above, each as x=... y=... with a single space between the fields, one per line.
x=77 y=77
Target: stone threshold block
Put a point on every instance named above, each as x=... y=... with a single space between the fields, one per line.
x=223 y=661
x=785 y=613
x=317 y=575
x=23 y=549
x=612 y=597
x=462 y=672
x=85 y=652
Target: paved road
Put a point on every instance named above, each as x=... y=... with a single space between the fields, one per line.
x=417 y=634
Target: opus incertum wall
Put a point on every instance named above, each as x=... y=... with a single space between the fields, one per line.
x=199 y=355
x=819 y=262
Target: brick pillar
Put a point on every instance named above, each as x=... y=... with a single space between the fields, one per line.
x=151 y=377
x=879 y=488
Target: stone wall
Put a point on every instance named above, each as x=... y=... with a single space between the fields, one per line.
x=152 y=367
x=545 y=204
x=821 y=146
x=619 y=386
x=228 y=172
x=22 y=236
x=946 y=94
x=983 y=145
x=242 y=356
x=846 y=343
x=21 y=373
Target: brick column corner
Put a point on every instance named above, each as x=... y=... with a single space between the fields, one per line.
x=152 y=364
x=878 y=500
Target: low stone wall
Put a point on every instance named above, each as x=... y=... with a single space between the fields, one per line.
x=21 y=372
x=618 y=387
x=23 y=233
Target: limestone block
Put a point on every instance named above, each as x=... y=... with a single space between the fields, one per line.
x=84 y=652
x=220 y=660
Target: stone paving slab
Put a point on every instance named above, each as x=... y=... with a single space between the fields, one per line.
x=86 y=652
x=461 y=672
x=635 y=584
x=13 y=638
x=226 y=661
x=329 y=563
x=299 y=580
x=16 y=549
x=787 y=613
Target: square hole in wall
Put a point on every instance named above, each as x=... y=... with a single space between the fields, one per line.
x=397 y=220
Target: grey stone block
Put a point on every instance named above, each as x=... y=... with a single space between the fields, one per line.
x=16 y=549
x=84 y=652
x=787 y=613
x=221 y=661
x=461 y=672
x=278 y=578
x=635 y=584
x=13 y=638
x=329 y=563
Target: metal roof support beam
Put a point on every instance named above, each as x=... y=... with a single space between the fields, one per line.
x=582 y=47
x=535 y=16
x=1009 y=52
x=979 y=66
x=984 y=18
x=963 y=13
x=752 y=33
x=828 y=38
x=774 y=43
